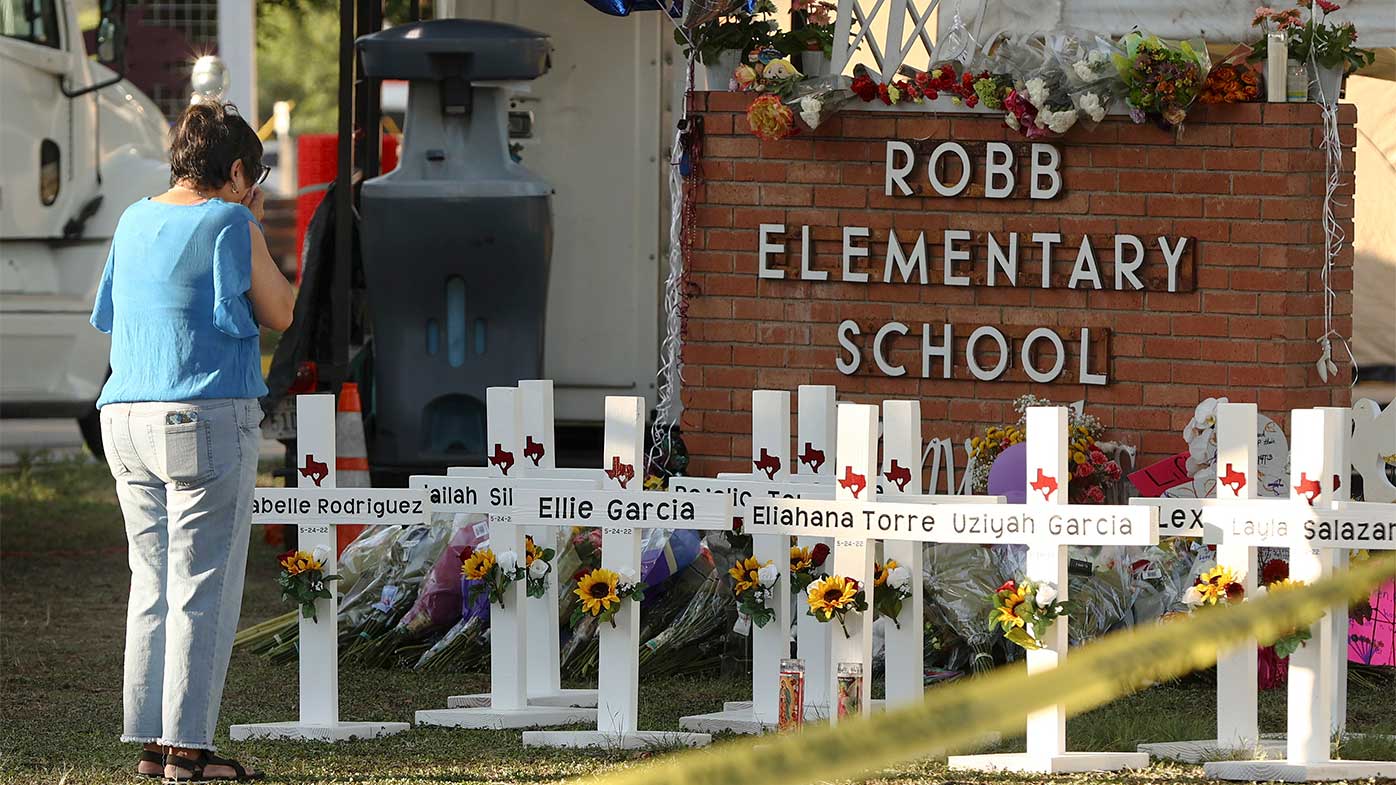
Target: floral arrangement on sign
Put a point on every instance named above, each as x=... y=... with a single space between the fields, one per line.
x=834 y=597
x=1092 y=471
x=1231 y=82
x=538 y=563
x=601 y=592
x=811 y=27
x=891 y=588
x=1161 y=78
x=1024 y=610
x=1318 y=39
x=806 y=565
x=490 y=574
x=303 y=579
x=753 y=584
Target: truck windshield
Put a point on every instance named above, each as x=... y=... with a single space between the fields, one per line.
x=35 y=21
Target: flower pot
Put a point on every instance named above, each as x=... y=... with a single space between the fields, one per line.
x=719 y=74
x=1325 y=83
x=814 y=62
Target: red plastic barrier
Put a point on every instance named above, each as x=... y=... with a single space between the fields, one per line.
x=317 y=160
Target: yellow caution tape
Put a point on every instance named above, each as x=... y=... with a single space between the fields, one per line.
x=958 y=714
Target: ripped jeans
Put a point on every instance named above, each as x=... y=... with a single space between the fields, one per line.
x=184 y=476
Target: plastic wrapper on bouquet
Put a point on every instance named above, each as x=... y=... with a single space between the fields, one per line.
x=381 y=598
x=960 y=581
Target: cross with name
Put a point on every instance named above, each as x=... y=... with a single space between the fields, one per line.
x=1316 y=525
x=316 y=510
x=1046 y=527
x=509 y=704
x=622 y=510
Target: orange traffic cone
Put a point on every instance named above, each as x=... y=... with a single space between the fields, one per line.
x=351 y=465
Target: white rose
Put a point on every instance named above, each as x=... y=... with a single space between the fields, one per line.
x=1192 y=597
x=767 y=575
x=508 y=561
x=321 y=554
x=1083 y=69
x=1037 y=91
x=538 y=569
x=1011 y=120
x=1046 y=593
x=627 y=576
x=900 y=578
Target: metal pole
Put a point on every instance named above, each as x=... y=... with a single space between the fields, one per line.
x=344 y=203
x=368 y=114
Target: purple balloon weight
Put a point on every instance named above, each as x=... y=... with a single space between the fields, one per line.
x=1009 y=475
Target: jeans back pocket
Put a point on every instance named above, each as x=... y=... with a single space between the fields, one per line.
x=187 y=451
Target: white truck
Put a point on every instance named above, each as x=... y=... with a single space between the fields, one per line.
x=78 y=143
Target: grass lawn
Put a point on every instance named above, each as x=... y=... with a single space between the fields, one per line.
x=63 y=587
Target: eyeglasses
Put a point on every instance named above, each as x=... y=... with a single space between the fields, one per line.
x=262 y=173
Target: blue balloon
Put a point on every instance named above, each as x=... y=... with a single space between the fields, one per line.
x=624 y=7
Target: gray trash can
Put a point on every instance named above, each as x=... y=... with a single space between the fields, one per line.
x=456 y=240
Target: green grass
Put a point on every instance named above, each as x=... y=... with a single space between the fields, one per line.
x=63 y=586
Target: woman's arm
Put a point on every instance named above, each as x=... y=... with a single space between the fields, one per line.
x=273 y=300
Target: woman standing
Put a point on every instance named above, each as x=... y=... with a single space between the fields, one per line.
x=187 y=284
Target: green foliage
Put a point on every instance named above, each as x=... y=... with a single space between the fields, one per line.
x=740 y=31
x=298 y=60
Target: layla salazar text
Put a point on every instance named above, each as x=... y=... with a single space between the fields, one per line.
x=1042 y=354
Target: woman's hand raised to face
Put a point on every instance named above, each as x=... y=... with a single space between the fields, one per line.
x=255 y=200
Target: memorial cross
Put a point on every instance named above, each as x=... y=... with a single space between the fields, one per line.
x=1316 y=525
x=534 y=456
x=509 y=703
x=622 y=510
x=1047 y=527
x=316 y=510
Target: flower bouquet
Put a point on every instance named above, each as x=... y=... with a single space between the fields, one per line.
x=834 y=597
x=601 y=592
x=303 y=580
x=811 y=28
x=1324 y=45
x=1162 y=79
x=1290 y=642
x=1092 y=82
x=805 y=566
x=490 y=574
x=818 y=99
x=538 y=563
x=1024 y=610
x=891 y=588
x=1217 y=585
x=753 y=584
x=736 y=29
x=770 y=119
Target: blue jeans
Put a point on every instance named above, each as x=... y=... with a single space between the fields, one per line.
x=184 y=476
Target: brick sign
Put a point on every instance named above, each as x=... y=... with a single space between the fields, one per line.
x=943 y=257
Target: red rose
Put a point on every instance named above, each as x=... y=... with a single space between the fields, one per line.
x=1112 y=470
x=466 y=552
x=1084 y=470
x=1235 y=592
x=1095 y=495
x=856 y=585
x=922 y=79
x=819 y=554
x=1273 y=571
x=581 y=573
x=864 y=88
x=1098 y=458
x=284 y=555
x=737 y=525
x=882 y=94
x=932 y=95
x=972 y=100
x=1007 y=586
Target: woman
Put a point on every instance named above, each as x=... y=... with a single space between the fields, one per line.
x=187 y=284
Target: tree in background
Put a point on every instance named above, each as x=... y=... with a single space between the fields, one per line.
x=298 y=57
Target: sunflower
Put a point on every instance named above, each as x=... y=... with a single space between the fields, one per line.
x=744 y=575
x=531 y=551
x=478 y=565
x=1219 y=584
x=597 y=591
x=298 y=562
x=834 y=594
x=800 y=559
x=1008 y=612
x=881 y=571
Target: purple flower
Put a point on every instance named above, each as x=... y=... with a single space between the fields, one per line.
x=1136 y=114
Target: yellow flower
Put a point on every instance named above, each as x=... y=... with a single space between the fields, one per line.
x=478 y=565
x=744 y=575
x=880 y=572
x=1008 y=613
x=832 y=595
x=299 y=562
x=1284 y=585
x=1213 y=585
x=531 y=551
x=800 y=559
x=597 y=591
x=1078 y=457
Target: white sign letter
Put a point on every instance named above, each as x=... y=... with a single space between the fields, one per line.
x=851 y=252
x=1009 y=263
x=882 y=364
x=1125 y=269
x=998 y=165
x=952 y=255
x=1046 y=240
x=897 y=172
x=917 y=261
x=1000 y=367
x=928 y=351
x=941 y=188
x=1171 y=257
x=807 y=274
x=1086 y=376
x=848 y=327
x=1045 y=161
x=765 y=247
x=1033 y=373
x=1085 y=269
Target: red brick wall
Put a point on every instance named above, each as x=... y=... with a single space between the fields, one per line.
x=1244 y=184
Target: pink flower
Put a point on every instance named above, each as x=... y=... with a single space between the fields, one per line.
x=1328 y=7
x=1084 y=470
x=1112 y=470
x=1098 y=457
x=1095 y=495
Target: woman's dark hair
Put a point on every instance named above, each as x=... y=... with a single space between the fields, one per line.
x=205 y=141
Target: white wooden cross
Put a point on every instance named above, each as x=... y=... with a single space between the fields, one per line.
x=770 y=451
x=316 y=507
x=1047 y=527
x=623 y=510
x=1316 y=525
x=508 y=704
x=535 y=457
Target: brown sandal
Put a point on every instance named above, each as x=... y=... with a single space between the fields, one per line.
x=158 y=758
x=196 y=770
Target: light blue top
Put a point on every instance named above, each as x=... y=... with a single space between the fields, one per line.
x=174 y=298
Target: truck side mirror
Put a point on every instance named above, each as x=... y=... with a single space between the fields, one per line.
x=111 y=48
x=111 y=41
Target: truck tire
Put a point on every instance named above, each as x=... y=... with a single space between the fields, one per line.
x=90 y=425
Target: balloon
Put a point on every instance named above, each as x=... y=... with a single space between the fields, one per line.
x=209 y=78
x=1008 y=476
x=624 y=7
